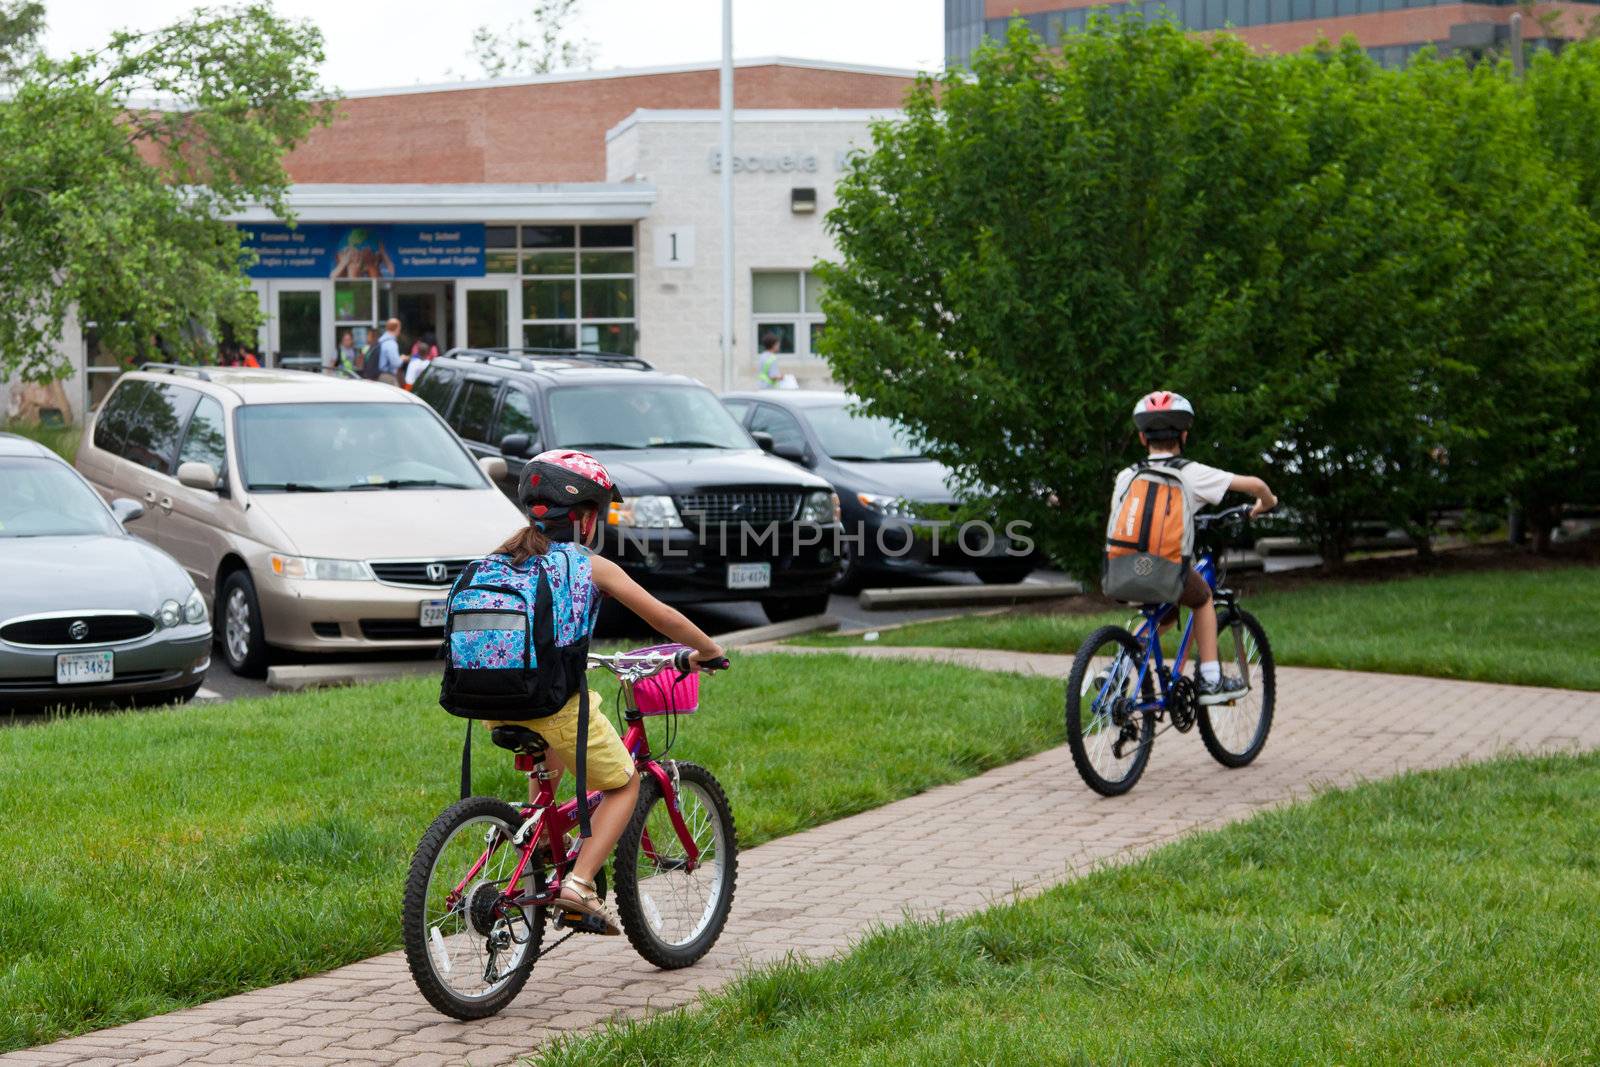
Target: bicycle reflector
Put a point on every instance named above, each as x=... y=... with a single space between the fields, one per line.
x=666 y=693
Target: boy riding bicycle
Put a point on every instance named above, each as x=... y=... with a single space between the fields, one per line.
x=1163 y=420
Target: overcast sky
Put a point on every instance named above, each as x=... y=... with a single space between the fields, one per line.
x=404 y=42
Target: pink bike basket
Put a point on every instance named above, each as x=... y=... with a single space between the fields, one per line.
x=667 y=693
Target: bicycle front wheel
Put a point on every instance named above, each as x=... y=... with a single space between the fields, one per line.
x=672 y=909
x=469 y=952
x=1108 y=731
x=1235 y=733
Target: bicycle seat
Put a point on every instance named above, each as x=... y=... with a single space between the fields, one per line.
x=518 y=739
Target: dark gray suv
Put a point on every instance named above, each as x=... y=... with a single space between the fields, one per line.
x=707 y=515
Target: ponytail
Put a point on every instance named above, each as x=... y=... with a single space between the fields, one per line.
x=525 y=543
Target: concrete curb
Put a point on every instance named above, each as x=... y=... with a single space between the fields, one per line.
x=293 y=678
x=938 y=595
x=777 y=631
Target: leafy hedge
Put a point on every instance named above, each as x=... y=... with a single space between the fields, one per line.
x=1379 y=287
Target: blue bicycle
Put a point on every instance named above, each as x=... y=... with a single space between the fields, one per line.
x=1120 y=690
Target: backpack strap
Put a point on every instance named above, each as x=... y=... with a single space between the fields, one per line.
x=583 y=747
x=466 y=763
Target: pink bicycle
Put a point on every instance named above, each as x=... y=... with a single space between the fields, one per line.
x=486 y=874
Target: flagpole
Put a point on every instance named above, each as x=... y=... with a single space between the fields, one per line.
x=727 y=194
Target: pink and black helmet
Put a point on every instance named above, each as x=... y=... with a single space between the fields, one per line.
x=556 y=481
x=1162 y=416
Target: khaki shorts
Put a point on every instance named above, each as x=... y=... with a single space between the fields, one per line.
x=607 y=762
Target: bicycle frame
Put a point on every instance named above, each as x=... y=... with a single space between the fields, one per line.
x=543 y=819
x=1150 y=639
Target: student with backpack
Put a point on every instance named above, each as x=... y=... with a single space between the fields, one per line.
x=517 y=641
x=1150 y=535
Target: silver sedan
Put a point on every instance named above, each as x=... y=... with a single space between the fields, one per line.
x=87 y=612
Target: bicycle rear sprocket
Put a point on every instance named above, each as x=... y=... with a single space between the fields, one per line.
x=1183 y=703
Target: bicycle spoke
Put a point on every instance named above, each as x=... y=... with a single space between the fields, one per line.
x=677 y=902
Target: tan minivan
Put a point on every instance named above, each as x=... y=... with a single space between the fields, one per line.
x=315 y=513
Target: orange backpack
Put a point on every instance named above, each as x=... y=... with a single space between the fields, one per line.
x=1150 y=536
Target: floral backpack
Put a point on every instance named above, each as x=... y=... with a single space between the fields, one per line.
x=516 y=638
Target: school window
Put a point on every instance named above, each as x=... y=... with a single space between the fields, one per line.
x=578 y=285
x=788 y=311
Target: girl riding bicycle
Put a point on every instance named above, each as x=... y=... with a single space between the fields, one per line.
x=564 y=494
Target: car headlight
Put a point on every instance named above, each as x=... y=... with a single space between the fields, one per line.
x=648 y=511
x=326 y=570
x=821 y=508
x=194 y=609
x=895 y=506
x=169 y=614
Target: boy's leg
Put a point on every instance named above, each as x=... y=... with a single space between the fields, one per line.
x=1215 y=687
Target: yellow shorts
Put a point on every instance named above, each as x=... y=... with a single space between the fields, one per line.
x=607 y=763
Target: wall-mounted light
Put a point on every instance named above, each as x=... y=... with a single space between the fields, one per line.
x=802 y=201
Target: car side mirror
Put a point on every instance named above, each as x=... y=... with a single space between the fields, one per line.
x=516 y=444
x=793 y=453
x=126 y=510
x=198 y=476
x=494 y=467
x=763 y=439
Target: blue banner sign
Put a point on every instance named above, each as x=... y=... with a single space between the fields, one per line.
x=388 y=250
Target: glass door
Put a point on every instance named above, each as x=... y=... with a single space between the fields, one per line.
x=486 y=308
x=300 y=324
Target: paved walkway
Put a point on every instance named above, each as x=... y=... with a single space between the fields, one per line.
x=1332 y=728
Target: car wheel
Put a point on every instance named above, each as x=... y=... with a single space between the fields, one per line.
x=1003 y=575
x=795 y=607
x=244 y=643
x=848 y=580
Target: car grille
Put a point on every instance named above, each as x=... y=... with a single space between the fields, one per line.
x=757 y=507
x=99 y=630
x=415 y=572
x=399 y=630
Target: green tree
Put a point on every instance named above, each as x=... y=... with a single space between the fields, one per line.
x=21 y=25
x=538 y=45
x=1034 y=246
x=116 y=167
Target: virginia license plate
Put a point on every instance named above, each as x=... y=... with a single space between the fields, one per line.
x=76 y=668
x=431 y=613
x=749 y=575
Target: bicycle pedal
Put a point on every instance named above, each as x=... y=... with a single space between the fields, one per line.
x=579 y=922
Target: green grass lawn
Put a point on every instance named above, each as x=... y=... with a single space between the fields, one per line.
x=63 y=440
x=1523 y=627
x=1440 y=918
x=154 y=860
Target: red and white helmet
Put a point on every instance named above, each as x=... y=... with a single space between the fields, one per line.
x=556 y=481
x=1162 y=415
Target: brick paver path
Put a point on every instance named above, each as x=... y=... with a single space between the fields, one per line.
x=1332 y=728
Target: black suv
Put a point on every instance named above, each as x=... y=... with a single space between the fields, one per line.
x=706 y=515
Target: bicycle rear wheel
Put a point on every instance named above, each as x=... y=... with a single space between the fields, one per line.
x=671 y=914
x=1107 y=731
x=469 y=953
x=1235 y=733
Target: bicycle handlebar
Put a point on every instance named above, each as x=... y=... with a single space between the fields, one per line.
x=643 y=665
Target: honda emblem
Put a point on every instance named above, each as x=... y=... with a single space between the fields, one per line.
x=437 y=572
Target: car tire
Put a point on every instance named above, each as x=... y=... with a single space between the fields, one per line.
x=848 y=581
x=239 y=628
x=1004 y=574
x=795 y=607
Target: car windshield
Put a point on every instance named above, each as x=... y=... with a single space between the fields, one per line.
x=847 y=435
x=43 y=498
x=288 y=448
x=642 y=416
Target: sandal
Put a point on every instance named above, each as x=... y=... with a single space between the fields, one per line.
x=585 y=902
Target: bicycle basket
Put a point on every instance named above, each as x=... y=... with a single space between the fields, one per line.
x=667 y=693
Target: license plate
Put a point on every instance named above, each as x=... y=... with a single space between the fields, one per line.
x=431 y=613
x=749 y=575
x=76 y=668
